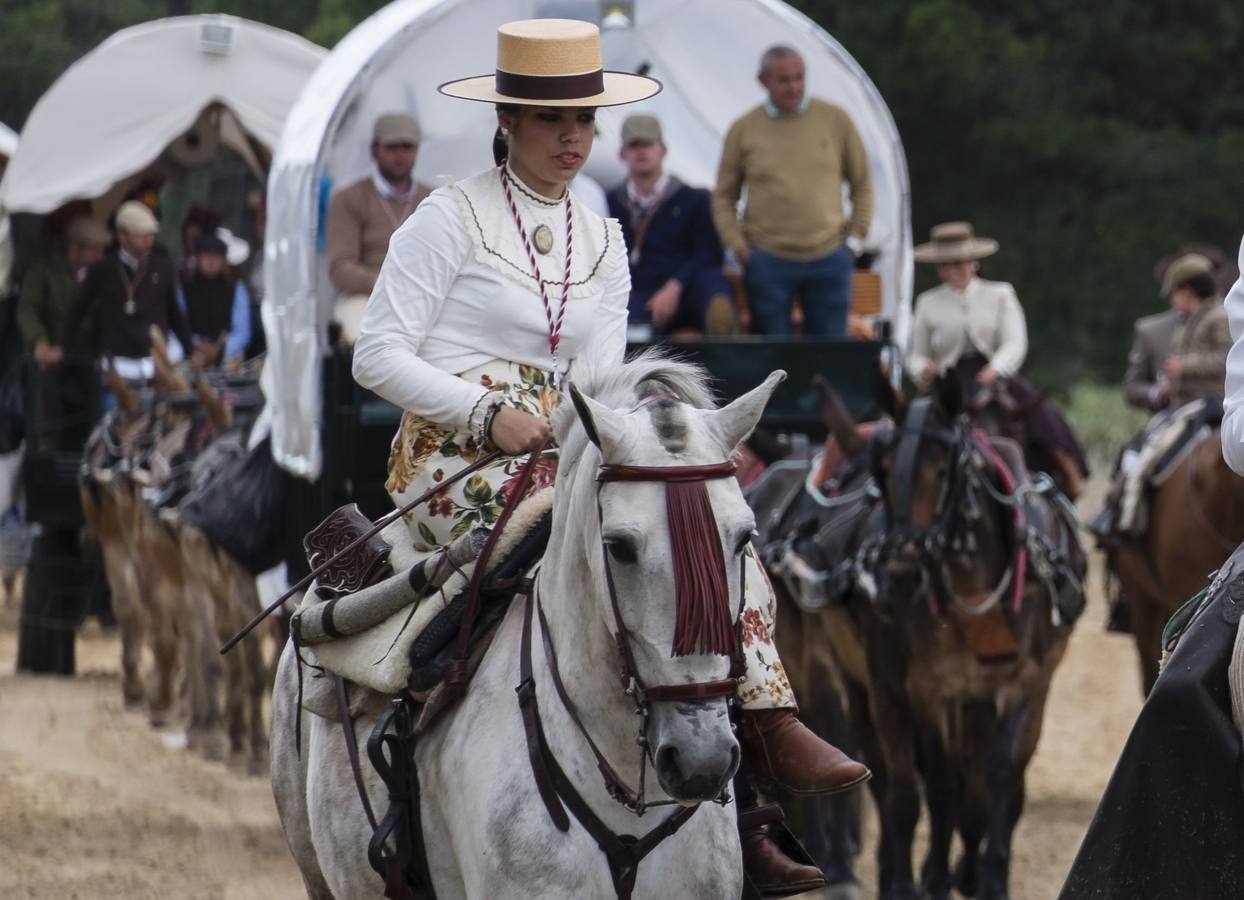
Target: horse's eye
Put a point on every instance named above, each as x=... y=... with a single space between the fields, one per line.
x=621 y=549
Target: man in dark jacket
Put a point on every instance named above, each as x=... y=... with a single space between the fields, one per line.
x=676 y=257
x=123 y=295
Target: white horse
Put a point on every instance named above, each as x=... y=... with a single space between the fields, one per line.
x=488 y=834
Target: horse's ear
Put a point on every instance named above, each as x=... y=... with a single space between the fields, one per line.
x=735 y=421
x=891 y=401
x=599 y=421
x=949 y=393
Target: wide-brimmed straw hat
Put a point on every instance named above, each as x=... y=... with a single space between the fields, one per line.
x=552 y=62
x=955 y=242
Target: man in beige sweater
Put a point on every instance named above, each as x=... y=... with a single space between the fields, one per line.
x=363 y=216
x=794 y=153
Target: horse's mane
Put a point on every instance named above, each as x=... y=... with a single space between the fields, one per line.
x=623 y=385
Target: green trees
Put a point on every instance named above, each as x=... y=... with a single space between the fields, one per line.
x=1091 y=139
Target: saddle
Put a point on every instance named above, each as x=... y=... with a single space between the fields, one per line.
x=394 y=632
x=1182 y=434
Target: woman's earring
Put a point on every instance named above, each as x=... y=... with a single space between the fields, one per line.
x=505 y=132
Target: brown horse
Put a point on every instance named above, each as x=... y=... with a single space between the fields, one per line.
x=807 y=542
x=1195 y=521
x=944 y=667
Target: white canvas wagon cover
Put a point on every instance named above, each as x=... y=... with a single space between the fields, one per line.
x=115 y=110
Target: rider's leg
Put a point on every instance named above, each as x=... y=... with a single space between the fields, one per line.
x=777 y=748
x=771 y=870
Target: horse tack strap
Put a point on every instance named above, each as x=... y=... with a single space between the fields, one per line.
x=457 y=675
x=905 y=460
x=352 y=747
x=674 y=474
x=623 y=852
x=529 y=706
x=613 y=781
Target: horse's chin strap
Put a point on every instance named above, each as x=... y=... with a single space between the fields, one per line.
x=623 y=852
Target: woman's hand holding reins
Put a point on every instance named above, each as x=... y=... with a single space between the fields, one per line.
x=514 y=431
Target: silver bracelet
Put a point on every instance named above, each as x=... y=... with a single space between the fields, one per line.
x=485 y=429
x=481 y=416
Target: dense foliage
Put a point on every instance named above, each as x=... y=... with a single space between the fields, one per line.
x=1089 y=138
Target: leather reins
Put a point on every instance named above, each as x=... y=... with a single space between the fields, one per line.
x=623 y=852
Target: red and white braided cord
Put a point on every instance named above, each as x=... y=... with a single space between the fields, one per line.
x=555 y=321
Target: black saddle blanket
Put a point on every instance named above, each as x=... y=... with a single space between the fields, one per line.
x=1171 y=823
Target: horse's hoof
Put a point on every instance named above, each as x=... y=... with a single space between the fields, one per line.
x=967 y=878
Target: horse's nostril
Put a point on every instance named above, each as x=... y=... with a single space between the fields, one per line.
x=667 y=760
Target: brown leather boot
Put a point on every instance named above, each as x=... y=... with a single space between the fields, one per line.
x=779 y=749
x=772 y=872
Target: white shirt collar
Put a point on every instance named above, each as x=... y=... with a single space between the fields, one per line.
x=645 y=200
x=387 y=190
x=774 y=112
x=127 y=259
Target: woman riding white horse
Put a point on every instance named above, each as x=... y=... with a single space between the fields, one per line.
x=494 y=292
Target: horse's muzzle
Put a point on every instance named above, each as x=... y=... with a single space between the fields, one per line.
x=696 y=773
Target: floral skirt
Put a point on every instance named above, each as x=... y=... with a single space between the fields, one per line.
x=425 y=453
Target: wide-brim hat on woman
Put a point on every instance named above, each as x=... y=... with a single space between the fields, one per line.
x=552 y=62
x=955 y=242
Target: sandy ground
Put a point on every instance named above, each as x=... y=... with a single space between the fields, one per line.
x=94 y=804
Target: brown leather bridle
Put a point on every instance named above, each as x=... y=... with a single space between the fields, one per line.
x=623 y=852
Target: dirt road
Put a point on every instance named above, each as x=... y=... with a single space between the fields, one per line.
x=93 y=804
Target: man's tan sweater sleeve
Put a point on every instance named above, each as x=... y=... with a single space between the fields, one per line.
x=344 y=240
x=855 y=170
x=729 y=187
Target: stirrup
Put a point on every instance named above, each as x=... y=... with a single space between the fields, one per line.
x=771 y=814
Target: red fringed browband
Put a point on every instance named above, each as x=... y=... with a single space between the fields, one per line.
x=703 y=623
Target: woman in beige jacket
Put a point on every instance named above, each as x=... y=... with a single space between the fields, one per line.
x=974 y=330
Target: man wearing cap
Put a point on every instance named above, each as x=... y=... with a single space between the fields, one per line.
x=675 y=256
x=50 y=285
x=123 y=295
x=795 y=154
x=363 y=216
x=216 y=303
x=1195 y=371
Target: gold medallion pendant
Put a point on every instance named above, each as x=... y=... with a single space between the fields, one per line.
x=543 y=238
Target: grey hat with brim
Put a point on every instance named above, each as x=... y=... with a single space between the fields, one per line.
x=954 y=242
x=1187 y=267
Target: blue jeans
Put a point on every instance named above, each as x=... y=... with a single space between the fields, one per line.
x=823 y=286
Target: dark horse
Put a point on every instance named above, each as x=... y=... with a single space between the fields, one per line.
x=979 y=580
x=946 y=609
x=809 y=529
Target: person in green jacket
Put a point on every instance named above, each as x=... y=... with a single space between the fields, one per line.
x=50 y=285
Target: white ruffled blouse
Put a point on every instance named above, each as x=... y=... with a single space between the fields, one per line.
x=456 y=291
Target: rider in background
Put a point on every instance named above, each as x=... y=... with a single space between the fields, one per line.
x=974 y=330
x=1195 y=371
